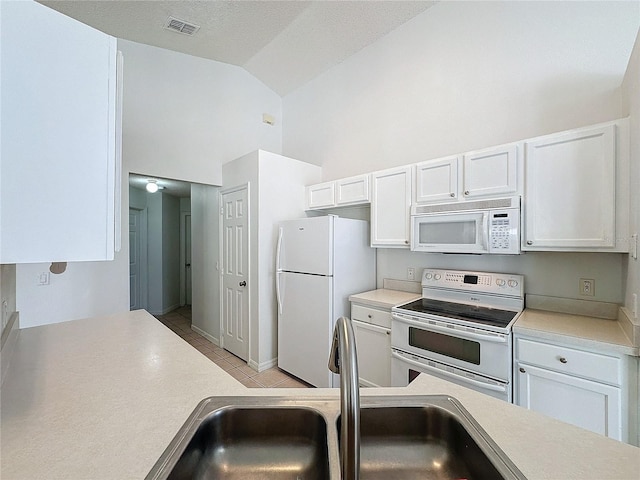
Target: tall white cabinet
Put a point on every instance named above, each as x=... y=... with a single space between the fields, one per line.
x=576 y=190
x=390 y=207
x=60 y=138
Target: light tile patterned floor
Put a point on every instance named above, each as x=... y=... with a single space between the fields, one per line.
x=179 y=321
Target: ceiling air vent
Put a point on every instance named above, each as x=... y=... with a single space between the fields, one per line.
x=180 y=26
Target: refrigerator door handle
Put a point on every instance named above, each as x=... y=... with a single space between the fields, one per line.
x=278 y=271
x=278 y=248
x=278 y=299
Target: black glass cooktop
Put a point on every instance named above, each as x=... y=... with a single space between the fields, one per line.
x=460 y=311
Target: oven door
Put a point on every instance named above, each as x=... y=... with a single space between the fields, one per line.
x=405 y=367
x=465 y=232
x=471 y=349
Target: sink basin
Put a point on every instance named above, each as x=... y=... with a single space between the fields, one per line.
x=247 y=443
x=298 y=438
x=423 y=442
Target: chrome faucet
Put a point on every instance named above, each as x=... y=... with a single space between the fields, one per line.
x=343 y=361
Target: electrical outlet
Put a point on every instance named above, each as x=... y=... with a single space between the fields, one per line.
x=587 y=287
x=411 y=273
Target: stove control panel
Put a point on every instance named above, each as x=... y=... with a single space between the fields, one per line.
x=498 y=283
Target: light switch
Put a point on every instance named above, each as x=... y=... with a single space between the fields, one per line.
x=43 y=278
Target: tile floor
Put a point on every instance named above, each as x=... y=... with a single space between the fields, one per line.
x=179 y=321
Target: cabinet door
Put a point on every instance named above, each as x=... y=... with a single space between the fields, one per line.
x=373 y=345
x=390 y=207
x=321 y=195
x=570 y=190
x=436 y=180
x=493 y=171
x=59 y=138
x=352 y=190
x=590 y=405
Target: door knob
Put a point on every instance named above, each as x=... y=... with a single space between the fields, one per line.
x=243 y=283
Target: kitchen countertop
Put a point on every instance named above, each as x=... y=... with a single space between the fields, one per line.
x=384 y=298
x=576 y=330
x=101 y=398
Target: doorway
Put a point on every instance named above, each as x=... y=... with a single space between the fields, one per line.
x=185 y=258
x=157 y=237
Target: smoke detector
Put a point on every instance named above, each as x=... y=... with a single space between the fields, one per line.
x=180 y=26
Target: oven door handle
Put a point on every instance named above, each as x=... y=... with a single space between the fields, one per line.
x=486 y=386
x=453 y=331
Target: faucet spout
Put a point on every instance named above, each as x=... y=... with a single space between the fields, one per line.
x=343 y=361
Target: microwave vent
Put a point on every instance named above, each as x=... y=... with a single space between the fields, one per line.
x=511 y=202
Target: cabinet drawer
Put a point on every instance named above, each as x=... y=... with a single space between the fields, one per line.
x=371 y=315
x=581 y=363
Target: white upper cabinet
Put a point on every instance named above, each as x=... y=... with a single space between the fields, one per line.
x=390 y=207
x=59 y=185
x=576 y=190
x=490 y=172
x=321 y=195
x=352 y=190
x=436 y=180
x=338 y=193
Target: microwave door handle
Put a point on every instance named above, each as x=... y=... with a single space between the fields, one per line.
x=486 y=386
x=451 y=331
x=485 y=232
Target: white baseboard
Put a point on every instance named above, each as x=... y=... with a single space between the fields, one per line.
x=211 y=338
x=264 y=365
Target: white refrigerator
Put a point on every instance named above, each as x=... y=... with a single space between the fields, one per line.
x=320 y=261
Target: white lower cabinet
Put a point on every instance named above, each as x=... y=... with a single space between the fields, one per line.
x=584 y=388
x=372 y=328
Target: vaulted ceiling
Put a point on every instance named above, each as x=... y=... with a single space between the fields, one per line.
x=283 y=43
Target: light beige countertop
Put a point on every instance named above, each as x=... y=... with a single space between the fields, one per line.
x=384 y=298
x=102 y=398
x=577 y=330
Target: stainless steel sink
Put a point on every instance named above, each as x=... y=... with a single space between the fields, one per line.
x=280 y=437
x=437 y=440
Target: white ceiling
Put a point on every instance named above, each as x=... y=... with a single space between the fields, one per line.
x=283 y=43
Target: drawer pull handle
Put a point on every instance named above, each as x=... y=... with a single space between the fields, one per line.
x=522 y=370
x=562 y=360
x=369 y=316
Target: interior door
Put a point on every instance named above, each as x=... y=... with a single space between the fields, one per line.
x=134 y=259
x=138 y=269
x=187 y=258
x=235 y=271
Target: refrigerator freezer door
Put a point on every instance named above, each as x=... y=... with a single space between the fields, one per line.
x=305 y=327
x=306 y=245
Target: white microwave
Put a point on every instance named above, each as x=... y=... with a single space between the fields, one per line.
x=485 y=226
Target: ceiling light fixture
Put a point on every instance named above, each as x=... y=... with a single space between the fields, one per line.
x=152 y=186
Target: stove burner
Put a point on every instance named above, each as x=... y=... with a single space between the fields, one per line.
x=461 y=311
